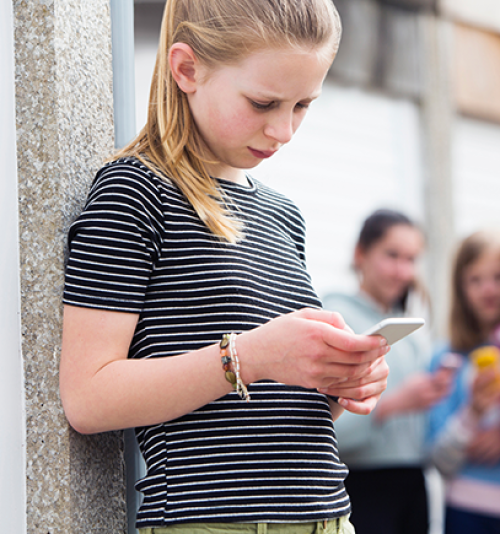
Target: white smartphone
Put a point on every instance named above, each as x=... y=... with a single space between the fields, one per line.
x=395 y=328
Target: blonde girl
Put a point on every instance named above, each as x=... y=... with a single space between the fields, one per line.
x=189 y=314
x=465 y=427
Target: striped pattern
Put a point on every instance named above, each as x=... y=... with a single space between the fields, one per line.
x=139 y=247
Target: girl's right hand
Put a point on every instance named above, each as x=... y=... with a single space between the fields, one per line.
x=416 y=394
x=316 y=350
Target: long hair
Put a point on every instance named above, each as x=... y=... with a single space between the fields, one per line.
x=465 y=330
x=220 y=32
x=374 y=229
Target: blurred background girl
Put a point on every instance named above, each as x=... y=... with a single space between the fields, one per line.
x=385 y=451
x=465 y=426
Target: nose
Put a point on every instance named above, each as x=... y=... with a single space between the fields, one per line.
x=490 y=286
x=280 y=127
x=405 y=270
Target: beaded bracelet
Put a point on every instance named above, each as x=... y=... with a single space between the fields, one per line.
x=226 y=359
x=231 y=365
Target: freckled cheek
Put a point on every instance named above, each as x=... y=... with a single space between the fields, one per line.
x=234 y=125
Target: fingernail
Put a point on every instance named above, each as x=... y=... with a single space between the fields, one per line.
x=342 y=402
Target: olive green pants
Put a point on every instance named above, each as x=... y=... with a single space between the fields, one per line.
x=334 y=526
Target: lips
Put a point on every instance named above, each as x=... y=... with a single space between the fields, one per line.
x=262 y=154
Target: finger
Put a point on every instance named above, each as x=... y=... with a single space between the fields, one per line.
x=354 y=343
x=340 y=336
x=335 y=374
x=376 y=371
x=355 y=358
x=359 y=392
x=331 y=373
x=363 y=407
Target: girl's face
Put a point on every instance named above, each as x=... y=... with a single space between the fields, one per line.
x=481 y=284
x=388 y=267
x=246 y=112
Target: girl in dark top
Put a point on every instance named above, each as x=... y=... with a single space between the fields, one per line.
x=188 y=310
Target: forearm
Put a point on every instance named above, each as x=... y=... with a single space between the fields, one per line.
x=388 y=406
x=450 y=449
x=102 y=389
x=128 y=393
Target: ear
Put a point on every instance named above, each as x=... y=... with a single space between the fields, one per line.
x=184 y=66
x=358 y=258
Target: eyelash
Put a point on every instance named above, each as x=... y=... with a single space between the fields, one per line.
x=268 y=106
x=258 y=105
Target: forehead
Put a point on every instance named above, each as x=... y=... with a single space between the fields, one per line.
x=281 y=73
x=489 y=258
x=403 y=237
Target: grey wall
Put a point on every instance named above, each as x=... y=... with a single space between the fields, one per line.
x=64 y=121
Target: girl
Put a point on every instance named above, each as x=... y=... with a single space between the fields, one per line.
x=188 y=310
x=385 y=452
x=465 y=427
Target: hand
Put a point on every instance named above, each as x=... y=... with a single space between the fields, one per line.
x=313 y=349
x=484 y=392
x=361 y=395
x=416 y=394
x=485 y=447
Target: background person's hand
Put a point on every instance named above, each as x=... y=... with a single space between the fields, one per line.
x=418 y=393
x=485 y=447
x=485 y=392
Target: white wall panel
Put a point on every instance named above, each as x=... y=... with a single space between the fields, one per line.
x=355 y=152
x=476 y=175
x=147 y=32
x=482 y=13
x=12 y=420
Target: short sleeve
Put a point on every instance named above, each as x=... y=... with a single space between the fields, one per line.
x=114 y=243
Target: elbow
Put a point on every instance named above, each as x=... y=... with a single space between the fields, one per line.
x=78 y=415
x=78 y=421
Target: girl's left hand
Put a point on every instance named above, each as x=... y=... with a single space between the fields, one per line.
x=360 y=396
x=485 y=447
x=484 y=392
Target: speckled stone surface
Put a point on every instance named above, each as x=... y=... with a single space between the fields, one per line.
x=64 y=113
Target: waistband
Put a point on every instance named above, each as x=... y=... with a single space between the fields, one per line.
x=339 y=525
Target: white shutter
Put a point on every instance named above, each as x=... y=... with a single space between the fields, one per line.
x=355 y=152
x=476 y=175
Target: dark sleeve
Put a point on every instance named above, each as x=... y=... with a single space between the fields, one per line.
x=115 y=242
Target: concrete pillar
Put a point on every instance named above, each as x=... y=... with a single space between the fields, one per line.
x=437 y=123
x=64 y=120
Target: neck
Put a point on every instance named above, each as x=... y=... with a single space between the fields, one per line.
x=238 y=176
x=383 y=307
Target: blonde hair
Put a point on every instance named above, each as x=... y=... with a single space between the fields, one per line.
x=220 y=32
x=465 y=330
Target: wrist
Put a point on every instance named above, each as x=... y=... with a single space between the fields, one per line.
x=386 y=407
x=231 y=364
x=248 y=370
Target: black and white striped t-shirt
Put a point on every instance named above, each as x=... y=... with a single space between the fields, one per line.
x=139 y=247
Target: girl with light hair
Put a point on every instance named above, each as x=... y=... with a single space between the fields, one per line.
x=189 y=313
